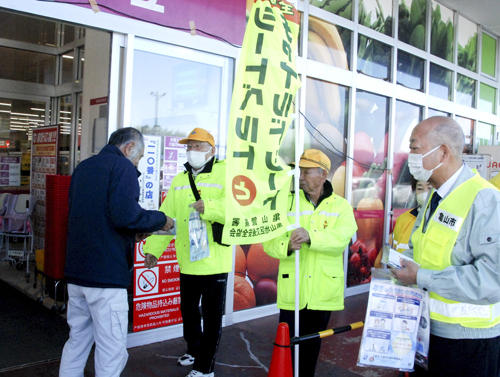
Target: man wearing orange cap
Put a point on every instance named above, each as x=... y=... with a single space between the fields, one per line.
x=200 y=188
x=327 y=225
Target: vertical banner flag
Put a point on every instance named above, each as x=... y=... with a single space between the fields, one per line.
x=257 y=180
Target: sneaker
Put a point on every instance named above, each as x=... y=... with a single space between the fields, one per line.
x=195 y=373
x=185 y=360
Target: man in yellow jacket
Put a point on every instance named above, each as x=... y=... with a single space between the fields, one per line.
x=201 y=276
x=456 y=243
x=327 y=225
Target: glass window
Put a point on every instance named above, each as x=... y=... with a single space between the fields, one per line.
x=468 y=128
x=328 y=43
x=374 y=58
x=27 y=29
x=489 y=55
x=28 y=66
x=442 y=31
x=342 y=8
x=434 y=112
x=411 y=24
x=440 y=82
x=82 y=62
x=326 y=126
x=68 y=34
x=467 y=44
x=410 y=71
x=487 y=99
x=403 y=198
x=376 y=14
x=369 y=175
x=484 y=134
x=466 y=90
x=67 y=63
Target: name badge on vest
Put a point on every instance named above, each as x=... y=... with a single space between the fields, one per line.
x=448 y=219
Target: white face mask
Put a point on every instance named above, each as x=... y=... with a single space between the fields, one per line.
x=415 y=164
x=197 y=159
x=422 y=198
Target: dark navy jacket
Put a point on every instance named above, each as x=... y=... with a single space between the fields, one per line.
x=104 y=217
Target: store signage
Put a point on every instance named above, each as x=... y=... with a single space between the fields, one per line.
x=10 y=171
x=149 y=166
x=150 y=313
x=257 y=179
x=174 y=158
x=221 y=18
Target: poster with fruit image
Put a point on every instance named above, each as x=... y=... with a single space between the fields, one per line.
x=255 y=277
x=257 y=180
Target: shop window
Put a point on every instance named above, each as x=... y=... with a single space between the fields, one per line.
x=466 y=91
x=68 y=34
x=489 y=55
x=434 y=112
x=27 y=66
x=440 y=82
x=411 y=22
x=403 y=197
x=374 y=58
x=376 y=15
x=65 y=122
x=484 y=134
x=328 y=43
x=442 y=32
x=326 y=126
x=67 y=70
x=487 y=99
x=27 y=29
x=468 y=128
x=341 y=8
x=410 y=71
x=467 y=44
x=368 y=188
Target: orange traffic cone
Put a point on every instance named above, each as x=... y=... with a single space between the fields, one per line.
x=281 y=361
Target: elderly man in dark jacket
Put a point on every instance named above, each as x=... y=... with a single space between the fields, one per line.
x=105 y=220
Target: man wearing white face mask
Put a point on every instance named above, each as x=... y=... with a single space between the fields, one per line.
x=457 y=244
x=203 y=278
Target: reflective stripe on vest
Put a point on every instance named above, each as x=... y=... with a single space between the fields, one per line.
x=215 y=185
x=302 y=213
x=432 y=250
x=182 y=187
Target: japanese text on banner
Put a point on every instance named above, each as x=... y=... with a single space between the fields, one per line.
x=257 y=180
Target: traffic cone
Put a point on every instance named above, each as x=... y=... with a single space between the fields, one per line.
x=281 y=361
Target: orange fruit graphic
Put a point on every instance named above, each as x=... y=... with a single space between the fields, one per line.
x=240 y=262
x=260 y=265
x=244 y=297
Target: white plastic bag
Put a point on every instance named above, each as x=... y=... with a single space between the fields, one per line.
x=198 y=237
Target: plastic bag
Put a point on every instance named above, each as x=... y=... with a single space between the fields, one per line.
x=198 y=237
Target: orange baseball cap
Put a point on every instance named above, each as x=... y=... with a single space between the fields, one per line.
x=313 y=158
x=199 y=134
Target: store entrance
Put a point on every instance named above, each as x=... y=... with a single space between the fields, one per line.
x=41 y=84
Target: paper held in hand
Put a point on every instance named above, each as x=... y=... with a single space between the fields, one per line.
x=395 y=259
x=171 y=232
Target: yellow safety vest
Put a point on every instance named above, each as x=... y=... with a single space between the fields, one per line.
x=432 y=250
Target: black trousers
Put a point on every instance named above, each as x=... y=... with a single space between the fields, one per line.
x=211 y=289
x=310 y=321
x=462 y=358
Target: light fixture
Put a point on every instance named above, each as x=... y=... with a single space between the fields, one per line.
x=35 y=109
x=68 y=57
x=28 y=115
x=5 y=104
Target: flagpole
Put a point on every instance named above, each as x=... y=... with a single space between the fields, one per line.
x=299 y=149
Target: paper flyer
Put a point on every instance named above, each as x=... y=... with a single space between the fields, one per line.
x=391 y=325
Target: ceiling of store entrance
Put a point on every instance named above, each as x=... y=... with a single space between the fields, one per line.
x=484 y=12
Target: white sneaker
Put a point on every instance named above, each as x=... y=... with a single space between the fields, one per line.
x=195 y=373
x=185 y=360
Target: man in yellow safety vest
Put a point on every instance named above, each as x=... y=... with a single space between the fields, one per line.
x=456 y=242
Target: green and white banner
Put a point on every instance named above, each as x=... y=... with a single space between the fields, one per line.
x=257 y=180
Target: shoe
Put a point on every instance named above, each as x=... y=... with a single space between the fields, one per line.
x=195 y=373
x=185 y=360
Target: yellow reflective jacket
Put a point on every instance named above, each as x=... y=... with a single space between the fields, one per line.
x=210 y=184
x=330 y=226
x=433 y=249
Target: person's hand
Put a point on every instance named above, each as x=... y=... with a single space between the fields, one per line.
x=199 y=206
x=150 y=261
x=169 y=224
x=407 y=274
x=297 y=238
x=141 y=236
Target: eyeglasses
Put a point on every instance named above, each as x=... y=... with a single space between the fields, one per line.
x=196 y=146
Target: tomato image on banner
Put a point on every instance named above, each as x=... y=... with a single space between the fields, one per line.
x=257 y=180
